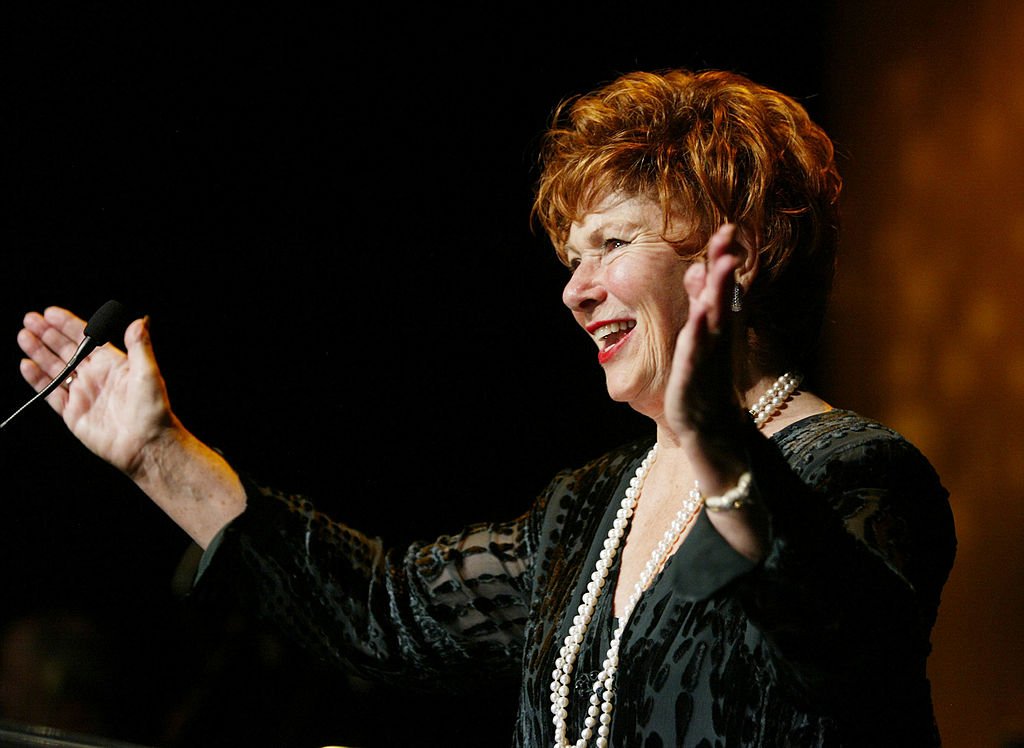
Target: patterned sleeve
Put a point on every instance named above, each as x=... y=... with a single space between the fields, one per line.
x=862 y=541
x=432 y=612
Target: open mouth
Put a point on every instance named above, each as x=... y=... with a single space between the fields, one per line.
x=611 y=336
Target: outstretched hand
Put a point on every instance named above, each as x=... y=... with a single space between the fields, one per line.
x=115 y=403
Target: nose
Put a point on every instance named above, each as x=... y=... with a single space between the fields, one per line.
x=584 y=290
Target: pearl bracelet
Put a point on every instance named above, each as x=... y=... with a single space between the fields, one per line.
x=735 y=498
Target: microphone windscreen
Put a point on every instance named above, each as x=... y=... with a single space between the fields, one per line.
x=108 y=323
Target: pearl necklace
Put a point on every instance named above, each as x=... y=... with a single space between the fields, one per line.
x=770 y=402
x=599 y=714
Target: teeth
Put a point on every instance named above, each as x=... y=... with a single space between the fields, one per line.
x=605 y=330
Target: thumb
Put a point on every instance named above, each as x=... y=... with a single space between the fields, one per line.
x=139 y=345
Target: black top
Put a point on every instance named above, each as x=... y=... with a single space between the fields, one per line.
x=823 y=643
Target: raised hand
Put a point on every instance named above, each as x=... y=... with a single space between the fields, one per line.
x=701 y=403
x=115 y=403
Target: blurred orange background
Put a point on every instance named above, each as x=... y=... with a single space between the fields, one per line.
x=928 y=102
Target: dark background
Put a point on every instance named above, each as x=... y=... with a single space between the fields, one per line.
x=325 y=213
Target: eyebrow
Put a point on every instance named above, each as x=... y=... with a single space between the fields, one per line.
x=596 y=237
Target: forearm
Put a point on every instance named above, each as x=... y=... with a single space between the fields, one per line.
x=191 y=482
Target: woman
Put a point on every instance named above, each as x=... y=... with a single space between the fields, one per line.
x=763 y=571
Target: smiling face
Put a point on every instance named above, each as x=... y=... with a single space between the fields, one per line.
x=627 y=292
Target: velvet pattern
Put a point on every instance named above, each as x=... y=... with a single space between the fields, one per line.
x=823 y=643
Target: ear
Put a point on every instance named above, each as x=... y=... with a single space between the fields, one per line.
x=745 y=246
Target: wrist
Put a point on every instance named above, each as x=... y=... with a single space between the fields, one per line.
x=158 y=451
x=737 y=497
x=191 y=482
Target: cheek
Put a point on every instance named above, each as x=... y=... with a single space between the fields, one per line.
x=662 y=347
x=666 y=313
x=631 y=281
x=660 y=282
x=663 y=318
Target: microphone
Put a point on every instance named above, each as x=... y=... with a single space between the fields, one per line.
x=106 y=323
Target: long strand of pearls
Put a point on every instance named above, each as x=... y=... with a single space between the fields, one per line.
x=599 y=714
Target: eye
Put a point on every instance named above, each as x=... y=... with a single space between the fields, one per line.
x=613 y=243
x=573 y=263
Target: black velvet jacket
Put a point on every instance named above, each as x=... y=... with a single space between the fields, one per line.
x=823 y=643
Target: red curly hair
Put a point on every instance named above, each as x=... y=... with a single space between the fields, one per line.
x=712 y=146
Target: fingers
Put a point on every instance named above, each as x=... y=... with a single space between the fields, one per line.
x=48 y=348
x=50 y=340
x=723 y=255
x=694 y=280
x=723 y=241
x=52 y=337
x=38 y=379
x=71 y=326
x=45 y=363
x=35 y=376
x=722 y=259
x=700 y=385
x=709 y=284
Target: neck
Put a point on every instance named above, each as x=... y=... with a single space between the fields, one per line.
x=760 y=383
x=799 y=405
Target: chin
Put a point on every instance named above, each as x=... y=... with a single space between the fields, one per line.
x=629 y=395
x=637 y=395
x=616 y=391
